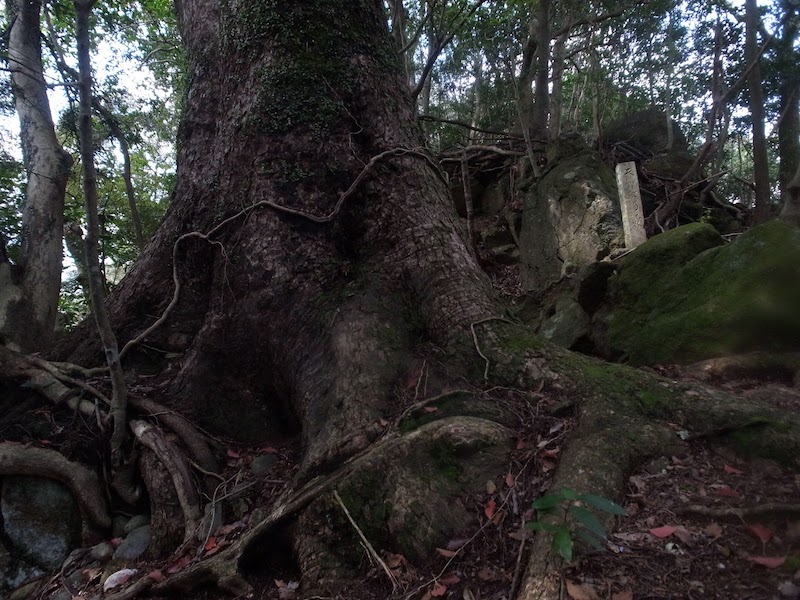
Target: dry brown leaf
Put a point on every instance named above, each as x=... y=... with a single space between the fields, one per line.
x=581 y=591
x=510 y=481
x=446 y=553
x=395 y=560
x=623 y=595
x=683 y=535
x=438 y=590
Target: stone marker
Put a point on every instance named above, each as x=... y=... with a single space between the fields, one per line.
x=631 y=205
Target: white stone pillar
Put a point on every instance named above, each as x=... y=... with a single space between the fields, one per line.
x=630 y=203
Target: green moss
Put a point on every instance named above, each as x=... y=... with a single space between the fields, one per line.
x=682 y=298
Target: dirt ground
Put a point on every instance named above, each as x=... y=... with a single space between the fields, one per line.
x=704 y=525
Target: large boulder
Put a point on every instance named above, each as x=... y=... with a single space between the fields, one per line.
x=685 y=296
x=570 y=219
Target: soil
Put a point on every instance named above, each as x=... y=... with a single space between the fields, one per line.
x=704 y=525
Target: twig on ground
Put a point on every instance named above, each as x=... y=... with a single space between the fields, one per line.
x=366 y=543
x=741 y=513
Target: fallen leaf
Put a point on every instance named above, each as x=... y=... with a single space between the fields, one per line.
x=266 y=450
x=467 y=594
x=383 y=422
x=491 y=507
x=727 y=491
x=430 y=409
x=761 y=532
x=581 y=591
x=456 y=543
x=552 y=453
x=768 y=561
x=210 y=543
x=446 y=553
x=450 y=579
x=438 y=590
x=623 y=595
x=521 y=444
x=521 y=534
x=732 y=471
x=548 y=465
x=179 y=564
x=714 y=530
x=663 y=532
x=510 y=481
x=233 y=454
x=231 y=527
x=156 y=576
x=491 y=487
x=280 y=583
x=395 y=560
x=683 y=535
x=557 y=427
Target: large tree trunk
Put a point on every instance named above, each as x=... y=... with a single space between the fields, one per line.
x=318 y=254
x=29 y=290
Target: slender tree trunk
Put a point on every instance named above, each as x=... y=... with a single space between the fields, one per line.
x=557 y=96
x=541 y=101
x=788 y=62
x=118 y=409
x=477 y=97
x=29 y=299
x=757 y=115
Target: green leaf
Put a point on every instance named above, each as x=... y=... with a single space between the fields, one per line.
x=540 y=526
x=603 y=504
x=567 y=494
x=589 y=538
x=562 y=543
x=588 y=520
x=547 y=503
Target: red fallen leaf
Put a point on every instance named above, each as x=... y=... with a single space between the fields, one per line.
x=521 y=444
x=446 y=553
x=768 y=561
x=761 y=532
x=438 y=590
x=449 y=579
x=115 y=542
x=210 y=543
x=233 y=454
x=431 y=409
x=179 y=564
x=156 y=576
x=383 y=422
x=727 y=491
x=548 y=465
x=510 y=481
x=491 y=507
x=263 y=450
x=551 y=453
x=663 y=532
x=732 y=471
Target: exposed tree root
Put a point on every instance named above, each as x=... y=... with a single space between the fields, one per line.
x=16 y=459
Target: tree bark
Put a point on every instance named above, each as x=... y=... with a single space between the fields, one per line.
x=310 y=254
x=788 y=65
x=29 y=291
x=757 y=115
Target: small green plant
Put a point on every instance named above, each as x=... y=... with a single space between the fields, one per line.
x=578 y=521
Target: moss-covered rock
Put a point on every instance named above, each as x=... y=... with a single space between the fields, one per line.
x=684 y=296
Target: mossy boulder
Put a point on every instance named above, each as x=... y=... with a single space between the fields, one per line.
x=685 y=296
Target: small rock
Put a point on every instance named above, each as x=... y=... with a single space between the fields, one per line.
x=102 y=552
x=119 y=578
x=135 y=523
x=26 y=591
x=133 y=546
x=789 y=590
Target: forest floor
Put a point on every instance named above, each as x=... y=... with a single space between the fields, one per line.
x=703 y=525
